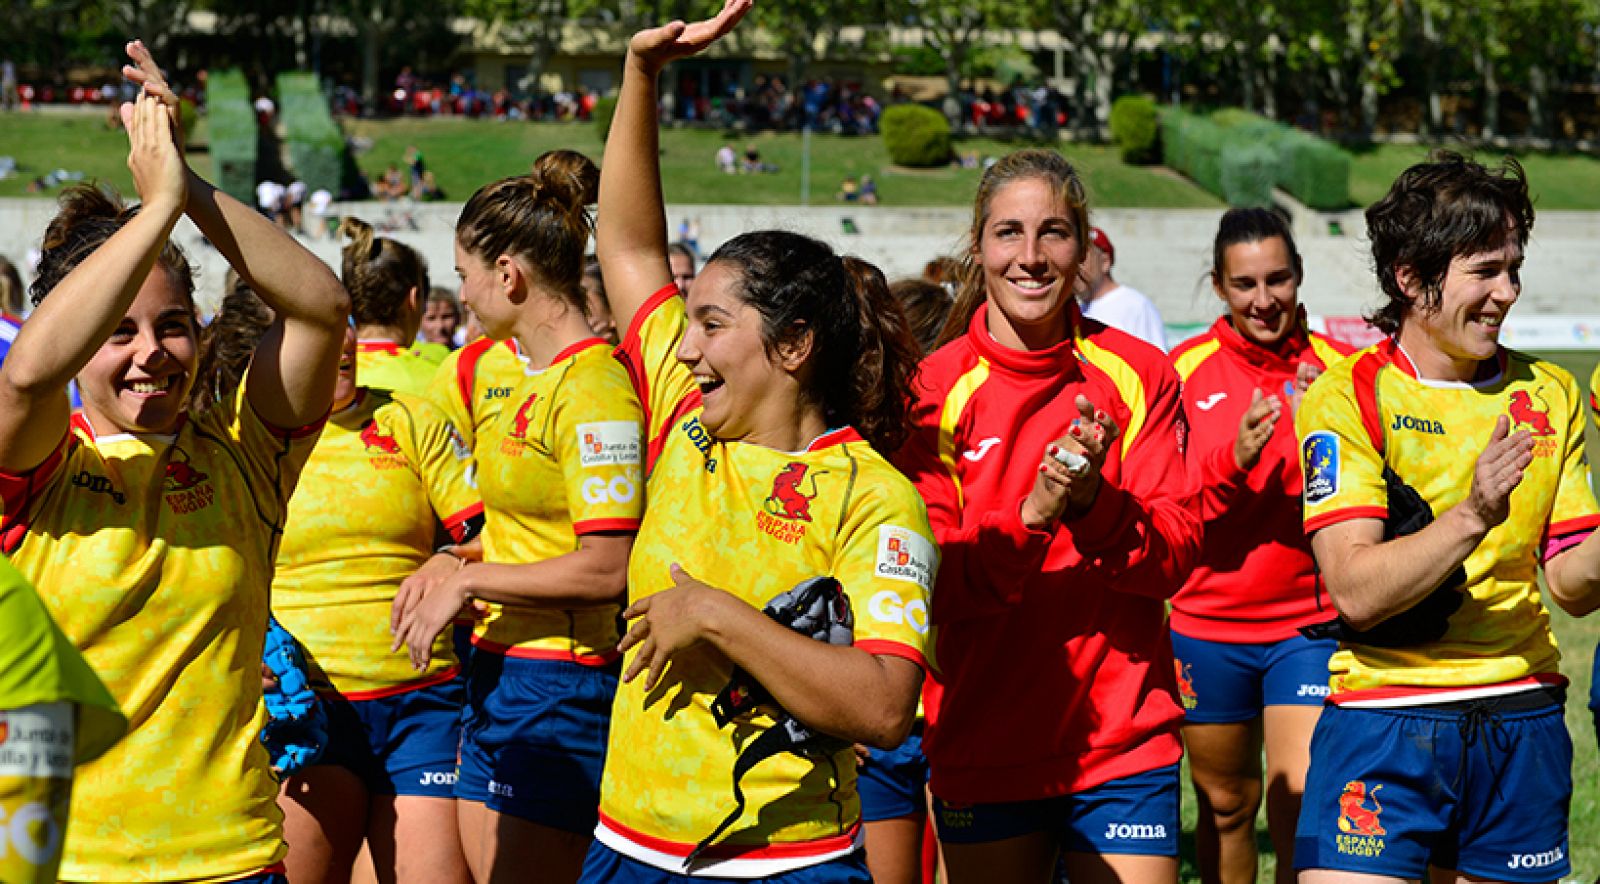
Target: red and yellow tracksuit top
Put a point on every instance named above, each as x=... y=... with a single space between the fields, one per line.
x=1068 y=619
x=1255 y=580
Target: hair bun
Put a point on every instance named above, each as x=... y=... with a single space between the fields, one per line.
x=567 y=178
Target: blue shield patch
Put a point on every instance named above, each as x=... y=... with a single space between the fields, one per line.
x=1319 y=463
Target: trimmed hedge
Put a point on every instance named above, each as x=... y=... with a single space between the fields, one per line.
x=916 y=136
x=232 y=124
x=316 y=146
x=1240 y=156
x=1316 y=172
x=1136 y=128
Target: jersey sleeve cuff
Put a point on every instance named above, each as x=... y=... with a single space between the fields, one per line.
x=1567 y=534
x=454 y=523
x=1334 y=517
x=290 y=433
x=18 y=489
x=882 y=647
x=599 y=526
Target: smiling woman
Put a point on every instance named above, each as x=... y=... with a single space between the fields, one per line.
x=171 y=607
x=1057 y=731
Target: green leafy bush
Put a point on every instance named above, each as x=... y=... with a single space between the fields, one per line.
x=316 y=146
x=1136 y=128
x=232 y=126
x=1316 y=172
x=604 y=109
x=916 y=136
x=1247 y=171
x=1240 y=156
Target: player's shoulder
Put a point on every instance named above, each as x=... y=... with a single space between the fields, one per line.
x=1526 y=365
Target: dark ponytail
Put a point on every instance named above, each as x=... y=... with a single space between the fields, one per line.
x=881 y=375
x=863 y=357
x=227 y=345
x=380 y=274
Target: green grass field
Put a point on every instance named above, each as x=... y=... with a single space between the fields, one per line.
x=1563 y=182
x=465 y=154
x=1578 y=639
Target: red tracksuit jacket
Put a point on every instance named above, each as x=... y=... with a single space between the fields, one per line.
x=1051 y=645
x=1255 y=580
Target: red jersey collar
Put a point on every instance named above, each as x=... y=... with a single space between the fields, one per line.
x=1056 y=360
x=1284 y=357
x=389 y=347
x=575 y=349
x=840 y=436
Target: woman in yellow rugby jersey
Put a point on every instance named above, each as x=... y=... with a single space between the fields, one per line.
x=560 y=473
x=768 y=395
x=150 y=532
x=388 y=285
x=362 y=519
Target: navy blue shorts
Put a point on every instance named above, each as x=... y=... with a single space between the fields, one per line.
x=533 y=739
x=1226 y=683
x=1135 y=815
x=403 y=744
x=1480 y=788
x=605 y=866
x=892 y=784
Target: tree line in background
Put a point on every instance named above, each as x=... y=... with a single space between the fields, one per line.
x=1441 y=68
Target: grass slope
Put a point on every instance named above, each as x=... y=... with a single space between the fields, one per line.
x=1562 y=182
x=465 y=154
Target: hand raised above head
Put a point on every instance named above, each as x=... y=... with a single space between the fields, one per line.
x=147 y=75
x=657 y=46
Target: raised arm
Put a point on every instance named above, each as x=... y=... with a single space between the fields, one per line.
x=89 y=304
x=292 y=376
x=631 y=227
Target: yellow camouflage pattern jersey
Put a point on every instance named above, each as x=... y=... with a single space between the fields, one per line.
x=154 y=554
x=382 y=365
x=754 y=522
x=1373 y=409
x=562 y=460
x=474 y=383
x=360 y=523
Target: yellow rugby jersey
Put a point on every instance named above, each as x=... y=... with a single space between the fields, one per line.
x=474 y=383
x=1431 y=433
x=382 y=365
x=360 y=523
x=54 y=714
x=754 y=522
x=562 y=460
x=154 y=554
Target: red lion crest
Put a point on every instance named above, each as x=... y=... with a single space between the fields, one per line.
x=787 y=501
x=180 y=476
x=374 y=439
x=1185 y=682
x=521 y=419
x=1524 y=413
x=1354 y=816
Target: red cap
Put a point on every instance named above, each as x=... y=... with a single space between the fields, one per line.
x=1103 y=243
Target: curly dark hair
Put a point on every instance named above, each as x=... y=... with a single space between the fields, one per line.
x=1436 y=211
x=863 y=355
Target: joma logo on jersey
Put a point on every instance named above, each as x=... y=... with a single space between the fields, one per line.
x=493 y=393
x=186 y=487
x=700 y=439
x=98 y=485
x=1360 y=832
x=1417 y=424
